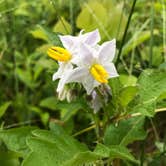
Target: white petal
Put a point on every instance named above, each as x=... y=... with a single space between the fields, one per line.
x=57 y=74
x=68 y=41
x=107 y=51
x=110 y=68
x=77 y=75
x=63 y=79
x=61 y=84
x=92 y=38
x=86 y=54
x=89 y=84
x=62 y=94
x=63 y=67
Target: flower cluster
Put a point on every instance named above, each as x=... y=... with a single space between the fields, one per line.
x=83 y=60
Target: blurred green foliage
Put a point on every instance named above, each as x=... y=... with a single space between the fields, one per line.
x=28 y=94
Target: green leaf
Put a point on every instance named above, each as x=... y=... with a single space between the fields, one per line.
x=163 y=66
x=135 y=41
x=94 y=18
x=39 y=34
x=114 y=151
x=53 y=149
x=15 y=139
x=152 y=83
x=82 y=158
x=126 y=132
x=43 y=153
x=61 y=139
x=128 y=80
x=127 y=94
x=8 y=158
x=67 y=109
x=50 y=103
x=26 y=77
x=107 y=20
x=47 y=35
x=113 y=106
x=70 y=109
x=115 y=85
x=3 y=108
x=146 y=108
x=43 y=115
x=62 y=26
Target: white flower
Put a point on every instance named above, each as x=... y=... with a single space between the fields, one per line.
x=70 y=54
x=72 y=43
x=96 y=66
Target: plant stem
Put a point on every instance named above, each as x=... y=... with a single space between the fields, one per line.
x=125 y=32
x=151 y=32
x=84 y=130
x=118 y=119
x=154 y=129
x=142 y=157
x=97 y=126
x=164 y=29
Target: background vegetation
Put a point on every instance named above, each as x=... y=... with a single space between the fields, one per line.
x=38 y=129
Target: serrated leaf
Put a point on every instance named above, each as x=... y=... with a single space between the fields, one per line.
x=43 y=153
x=53 y=149
x=82 y=158
x=4 y=107
x=61 y=139
x=126 y=132
x=15 y=139
x=114 y=151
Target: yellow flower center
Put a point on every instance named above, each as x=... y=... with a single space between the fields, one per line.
x=99 y=73
x=59 y=54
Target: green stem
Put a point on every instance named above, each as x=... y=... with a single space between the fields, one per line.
x=151 y=32
x=164 y=29
x=97 y=124
x=125 y=32
x=155 y=130
x=142 y=157
x=120 y=21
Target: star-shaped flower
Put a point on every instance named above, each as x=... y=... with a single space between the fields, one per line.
x=95 y=66
x=70 y=54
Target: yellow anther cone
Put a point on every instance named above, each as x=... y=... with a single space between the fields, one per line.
x=99 y=73
x=59 y=54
